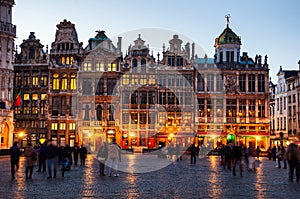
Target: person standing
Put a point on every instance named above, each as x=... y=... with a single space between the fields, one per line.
x=76 y=153
x=15 y=154
x=292 y=155
x=102 y=157
x=83 y=153
x=193 y=151
x=31 y=157
x=52 y=157
x=114 y=157
x=42 y=159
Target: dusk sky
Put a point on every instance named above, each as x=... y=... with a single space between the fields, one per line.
x=269 y=27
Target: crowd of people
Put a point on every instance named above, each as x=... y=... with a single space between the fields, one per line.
x=232 y=157
x=244 y=157
x=48 y=156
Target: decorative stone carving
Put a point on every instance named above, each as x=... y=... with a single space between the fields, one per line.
x=231 y=86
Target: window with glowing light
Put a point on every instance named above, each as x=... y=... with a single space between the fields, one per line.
x=73 y=84
x=54 y=126
x=64 y=82
x=55 y=85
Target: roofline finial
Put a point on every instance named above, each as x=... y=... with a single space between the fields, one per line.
x=227 y=19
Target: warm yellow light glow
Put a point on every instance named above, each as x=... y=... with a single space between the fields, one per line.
x=171 y=135
x=287 y=142
x=21 y=134
x=213 y=136
x=131 y=134
x=258 y=138
x=89 y=135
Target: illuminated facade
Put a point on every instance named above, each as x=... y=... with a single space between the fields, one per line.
x=65 y=56
x=31 y=92
x=233 y=95
x=98 y=75
x=7 y=36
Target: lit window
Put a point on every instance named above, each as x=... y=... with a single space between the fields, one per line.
x=54 y=126
x=71 y=59
x=114 y=67
x=109 y=67
x=55 y=85
x=26 y=96
x=43 y=96
x=64 y=82
x=63 y=60
x=125 y=79
x=72 y=126
x=87 y=66
x=62 y=126
x=44 y=80
x=17 y=110
x=143 y=80
x=67 y=60
x=152 y=79
x=134 y=79
x=35 y=81
x=35 y=96
x=73 y=82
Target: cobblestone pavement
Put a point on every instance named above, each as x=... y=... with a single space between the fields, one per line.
x=177 y=179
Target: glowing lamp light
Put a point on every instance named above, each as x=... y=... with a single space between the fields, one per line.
x=258 y=138
x=21 y=134
x=230 y=137
x=42 y=140
x=89 y=135
x=131 y=134
x=213 y=136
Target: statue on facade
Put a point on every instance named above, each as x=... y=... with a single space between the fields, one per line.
x=231 y=86
x=266 y=59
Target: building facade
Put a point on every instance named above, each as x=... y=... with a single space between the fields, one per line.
x=233 y=95
x=7 y=36
x=96 y=95
x=65 y=56
x=31 y=81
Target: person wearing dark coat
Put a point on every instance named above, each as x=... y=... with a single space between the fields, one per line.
x=15 y=154
x=193 y=151
x=42 y=159
x=76 y=153
x=83 y=153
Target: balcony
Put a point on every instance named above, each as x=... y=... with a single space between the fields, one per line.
x=8 y=28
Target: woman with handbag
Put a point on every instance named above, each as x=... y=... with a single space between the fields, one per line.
x=101 y=157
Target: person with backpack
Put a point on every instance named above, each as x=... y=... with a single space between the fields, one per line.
x=114 y=157
x=102 y=157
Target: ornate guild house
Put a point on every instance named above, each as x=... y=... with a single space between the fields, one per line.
x=87 y=95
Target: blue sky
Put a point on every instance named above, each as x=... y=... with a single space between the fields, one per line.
x=269 y=27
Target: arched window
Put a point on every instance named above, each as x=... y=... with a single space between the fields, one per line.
x=99 y=112
x=55 y=85
x=64 y=82
x=134 y=63
x=73 y=84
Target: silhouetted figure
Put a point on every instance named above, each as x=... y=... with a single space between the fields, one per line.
x=15 y=154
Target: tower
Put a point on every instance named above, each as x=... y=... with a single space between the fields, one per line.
x=7 y=35
x=227 y=46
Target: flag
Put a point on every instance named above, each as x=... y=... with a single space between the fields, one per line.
x=18 y=99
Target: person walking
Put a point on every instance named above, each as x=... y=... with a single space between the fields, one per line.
x=31 y=157
x=42 y=158
x=237 y=159
x=292 y=156
x=252 y=153
x=258 y=153
x=279 y=156
x=15 y=154
x=52 y=158
x=114 y=157
x=83 y=153
x=193 y=151
x=76 y=151
x=102 y=157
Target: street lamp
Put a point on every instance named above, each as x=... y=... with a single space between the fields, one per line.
x=21 y=135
